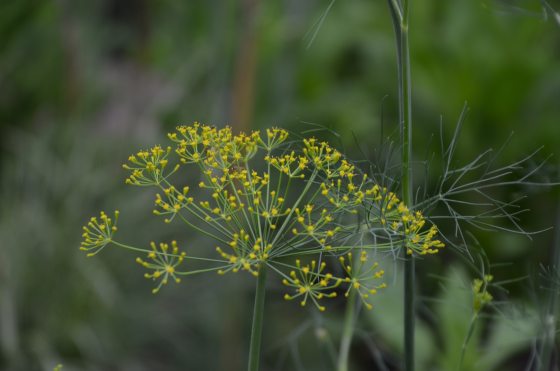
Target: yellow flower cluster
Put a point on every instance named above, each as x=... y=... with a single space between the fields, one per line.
x=98 y=233
x=263 y=199
x=385 y=208
x=359 y=276
x=274 y=137
x=247 y=209
x=343 y=194
x=317 y=227
x=310 y=283
x=322 y=155
x=163 y=261
x=480 y=292
x=173 y=203
x=147 y=167
x=245 y=257
x=219 y=148
x=410 y=224
x=291 y=165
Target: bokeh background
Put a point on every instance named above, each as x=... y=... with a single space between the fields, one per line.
x=85 y=83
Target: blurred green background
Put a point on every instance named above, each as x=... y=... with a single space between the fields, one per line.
x=85 y=83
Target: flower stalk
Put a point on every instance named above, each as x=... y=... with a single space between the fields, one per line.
x=400 y=15
x=258 y=315
x=347 y=332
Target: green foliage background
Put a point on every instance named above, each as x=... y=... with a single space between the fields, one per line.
x=83 y=84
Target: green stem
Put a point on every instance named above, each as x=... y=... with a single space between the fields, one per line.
x=347 y=332
x=258 y=312
x=409 y=314
x=409 y=283
x=470 y=332
x=147 y=251
x=400 y=14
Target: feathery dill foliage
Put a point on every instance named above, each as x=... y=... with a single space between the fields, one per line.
x=267 y=201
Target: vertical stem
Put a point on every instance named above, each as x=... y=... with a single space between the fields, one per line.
x=400 y=14
x=409 y=314
x=409 y=300
x=470 y=331
x=258 y=312
x=347 y=332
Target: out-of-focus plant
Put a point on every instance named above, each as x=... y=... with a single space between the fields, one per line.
x=547 y=299
x=43 y=192
x=251 y=211
x=499 y=331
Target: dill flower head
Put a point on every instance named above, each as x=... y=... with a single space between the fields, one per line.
x=359 y=276
x=162 y=261
x=98 y=233
x=148 y=167
x=310 y=283
x=264 y=201
x=480 y=292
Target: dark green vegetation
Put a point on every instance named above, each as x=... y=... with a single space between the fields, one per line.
x=84 y=86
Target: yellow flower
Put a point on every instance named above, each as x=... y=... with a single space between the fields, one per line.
x=162 y=261
x=98 y=233
x=147 y=167
x=359 y=276
x=481 y=296
x=310 y=283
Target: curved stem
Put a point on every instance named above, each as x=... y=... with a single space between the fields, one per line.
x=347 y=332
x=258 y=313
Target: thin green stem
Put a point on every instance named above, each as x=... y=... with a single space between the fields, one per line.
x=409 y=313
x=380 y=246
x=394 y=7
x=258 y=313
x=185 y=220
x=347 y=332
x=409 y=283
x=470 y=332
x=296 y=204
x=189 y=273
x=147 y=251
x=400 y=17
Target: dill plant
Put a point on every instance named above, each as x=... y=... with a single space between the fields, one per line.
x=400 y=16
x=458 y=188
x=463 y=196
x=291 y=207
